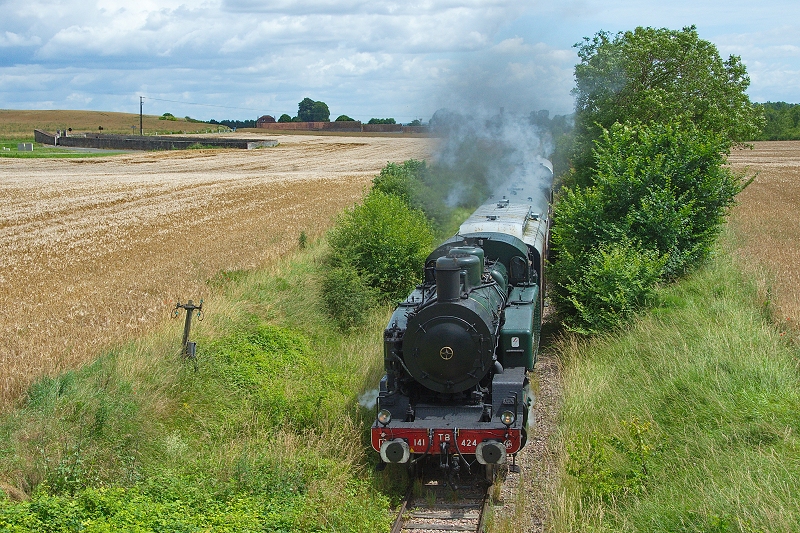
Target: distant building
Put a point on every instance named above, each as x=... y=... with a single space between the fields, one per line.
x=266 y=119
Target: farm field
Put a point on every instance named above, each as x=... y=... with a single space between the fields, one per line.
x=95 y=251
x=21 y=123
x=766 y=221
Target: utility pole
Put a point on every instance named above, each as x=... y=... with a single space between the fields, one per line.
x=189 y=348
x=141 y=107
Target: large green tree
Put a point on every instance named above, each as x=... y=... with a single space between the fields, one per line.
x=653 y=76
x=309 y=110
x=305 y=109
x=320 y=112
x=657 y=112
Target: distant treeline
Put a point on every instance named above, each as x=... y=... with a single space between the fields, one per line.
x=783 y=122
x=233 y=124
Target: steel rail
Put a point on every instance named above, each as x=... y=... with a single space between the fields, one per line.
x=443 y=508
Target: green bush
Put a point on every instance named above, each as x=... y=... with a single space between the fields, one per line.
x=347 y=296
x=607 y=286
x=658 y=201
x=442 y=192
x=385 y=241
x=402 y=180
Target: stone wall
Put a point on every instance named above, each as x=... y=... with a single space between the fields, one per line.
x=145 y=142
x=349 y=126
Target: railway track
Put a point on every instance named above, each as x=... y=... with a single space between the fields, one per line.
x=434 y=506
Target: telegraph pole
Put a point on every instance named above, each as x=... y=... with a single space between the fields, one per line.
x=189 y=348
x=141 y=107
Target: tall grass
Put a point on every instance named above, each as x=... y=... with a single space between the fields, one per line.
x=266 y=436
x=686 y=421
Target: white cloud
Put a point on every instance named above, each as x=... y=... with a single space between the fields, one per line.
x=363 y=57
x=9 y=39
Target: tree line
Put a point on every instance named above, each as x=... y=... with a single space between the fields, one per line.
x=782 y=122
x=309 y=110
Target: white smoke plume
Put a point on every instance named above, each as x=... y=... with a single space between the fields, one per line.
x=489 y=152
x=369 y=399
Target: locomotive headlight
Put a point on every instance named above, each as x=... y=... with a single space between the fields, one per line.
x=507 y=418
x=384 y=417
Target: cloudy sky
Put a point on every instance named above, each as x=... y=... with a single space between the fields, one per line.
x=365 y=58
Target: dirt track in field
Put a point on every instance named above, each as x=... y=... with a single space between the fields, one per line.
x=93 y=251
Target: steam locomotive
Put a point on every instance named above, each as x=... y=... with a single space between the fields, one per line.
x=457 y=350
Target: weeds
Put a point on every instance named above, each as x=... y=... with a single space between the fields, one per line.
x=260 y=439
x=591 y=460
x=682 y=422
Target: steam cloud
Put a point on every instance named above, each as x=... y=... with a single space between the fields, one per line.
x=369 y=399
x=486 y=154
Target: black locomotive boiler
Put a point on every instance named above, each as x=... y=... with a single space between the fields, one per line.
x=457 y=350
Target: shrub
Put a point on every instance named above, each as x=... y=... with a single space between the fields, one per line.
x=607 y=286
x=441 y=192
x=385 y=241
x=402 y=180
x=347 y=296
x=660 y=188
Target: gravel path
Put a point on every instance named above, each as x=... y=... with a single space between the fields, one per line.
x=525 y=497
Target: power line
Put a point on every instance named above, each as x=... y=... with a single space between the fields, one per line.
x=204 y=105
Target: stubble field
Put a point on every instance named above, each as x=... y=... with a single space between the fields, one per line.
x=16 y=123
x=95 y=251
x=767 y=220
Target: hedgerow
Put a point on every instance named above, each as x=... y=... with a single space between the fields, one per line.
x=653 y=127
x=657 y=202
x=378 y=250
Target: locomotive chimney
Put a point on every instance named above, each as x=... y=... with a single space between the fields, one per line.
x=448 y=279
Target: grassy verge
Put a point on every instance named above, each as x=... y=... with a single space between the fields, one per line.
x=688 y=420
x=8 y=148
x=266 y=436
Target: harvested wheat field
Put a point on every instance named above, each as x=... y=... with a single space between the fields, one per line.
x=95 y=251
x=19 y=123
x=767 y=219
